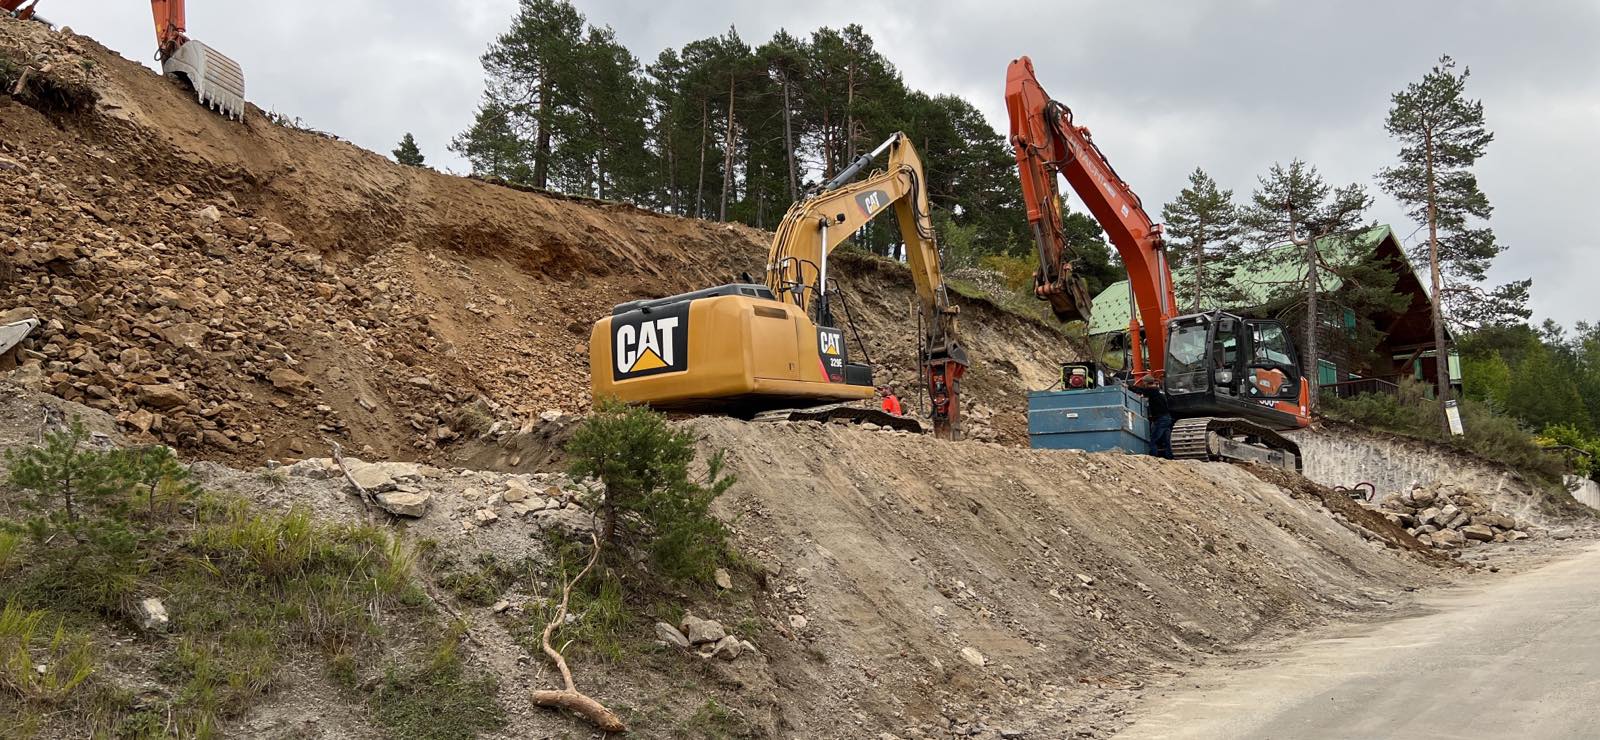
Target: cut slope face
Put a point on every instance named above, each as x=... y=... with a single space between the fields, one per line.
x=291 y=287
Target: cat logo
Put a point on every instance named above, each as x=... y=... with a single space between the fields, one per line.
x=831 y=343
x=872 y=201
x=650 y=343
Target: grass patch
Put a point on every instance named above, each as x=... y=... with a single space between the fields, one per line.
x=713 y=721
x=435 y=699
x=482 y=584
x=1488 y=435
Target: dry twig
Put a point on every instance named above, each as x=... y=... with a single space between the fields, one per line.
x=570 y=698
x=367 y=499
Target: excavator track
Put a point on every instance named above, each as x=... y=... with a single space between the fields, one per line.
x=1233 y=439
x=844 y=412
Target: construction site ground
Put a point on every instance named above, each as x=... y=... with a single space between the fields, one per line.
x=250 y=293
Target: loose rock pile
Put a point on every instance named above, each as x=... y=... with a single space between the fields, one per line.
x=707 y=636
x=476 y=498
x=1448 y=518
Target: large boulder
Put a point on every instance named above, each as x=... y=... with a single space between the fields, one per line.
x=162 y=396
x=702 y=631
x=403 y=503
x=1448 y=539
x=1477 y=532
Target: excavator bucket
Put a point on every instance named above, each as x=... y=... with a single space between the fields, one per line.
x=1069 y=299
x=217 y=80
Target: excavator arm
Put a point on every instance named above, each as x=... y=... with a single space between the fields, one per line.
x=170 y=17
x=797 y=265
x=22 y=9
x=1047 y=143
x=217 y=80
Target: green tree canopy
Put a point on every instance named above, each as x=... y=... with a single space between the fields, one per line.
x=407 y=152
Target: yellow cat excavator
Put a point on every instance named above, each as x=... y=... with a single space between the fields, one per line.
x=772 y=349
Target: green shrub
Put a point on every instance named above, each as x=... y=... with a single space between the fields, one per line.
x=649 y=496
x=1581 y=451
x=81 y=515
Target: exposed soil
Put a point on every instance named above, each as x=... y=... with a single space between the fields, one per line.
x=293 y=287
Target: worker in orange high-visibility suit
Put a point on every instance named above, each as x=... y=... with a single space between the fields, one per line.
x=891 y=403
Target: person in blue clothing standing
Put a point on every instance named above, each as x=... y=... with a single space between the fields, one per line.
x=1159 y=413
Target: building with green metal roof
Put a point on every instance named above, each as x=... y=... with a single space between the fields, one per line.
x=1247 y=287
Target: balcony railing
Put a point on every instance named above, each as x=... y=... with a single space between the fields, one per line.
x=1353 y=388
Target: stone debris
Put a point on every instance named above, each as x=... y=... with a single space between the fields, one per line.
x=707 y=636
x=724 y=581
x=971 y=655
x=151 y=615
x=701 y=631
x=403 y=503
x=1445 y=517
x=671 y=636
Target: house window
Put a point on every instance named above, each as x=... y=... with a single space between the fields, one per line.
x=1327 y=373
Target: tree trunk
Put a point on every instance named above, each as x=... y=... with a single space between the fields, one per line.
x=541 y=146
x=700 y=188
x=827 y=147
x=672 y=174
x=727 y=156
x=1441 y=349
x=1199 y=265
x=850 y=115
x=1313 y=370
x=788 y=143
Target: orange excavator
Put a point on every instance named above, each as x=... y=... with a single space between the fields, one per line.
x=1233 y=383
x=216 y=80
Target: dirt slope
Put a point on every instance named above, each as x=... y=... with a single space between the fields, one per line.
x=1071 y=575
x=293 y=287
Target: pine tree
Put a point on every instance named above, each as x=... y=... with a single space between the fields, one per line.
x=494 y=146
x=407 y=152
x=1442 y=135
x=534 y=70
x=1203 y=225
x=1294 y=204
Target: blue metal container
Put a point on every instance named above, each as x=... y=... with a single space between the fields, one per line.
x=1094 y=420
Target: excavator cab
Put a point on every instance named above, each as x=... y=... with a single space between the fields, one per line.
x=1220 y=364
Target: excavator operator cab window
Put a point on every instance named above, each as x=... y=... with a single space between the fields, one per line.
x=1272 y=372
x=1225 y=356
x=1186 y=356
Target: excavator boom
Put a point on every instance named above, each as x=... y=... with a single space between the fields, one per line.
x=217 y=81
x=1047 y=142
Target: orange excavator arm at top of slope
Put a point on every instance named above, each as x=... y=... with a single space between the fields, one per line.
x=217 y=80
x=1046 y=142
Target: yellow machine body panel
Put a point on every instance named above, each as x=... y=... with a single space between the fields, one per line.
x=726 y=352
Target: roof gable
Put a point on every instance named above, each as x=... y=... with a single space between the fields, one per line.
x=1255 y=278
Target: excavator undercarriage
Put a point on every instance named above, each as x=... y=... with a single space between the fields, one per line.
x=1233 y=440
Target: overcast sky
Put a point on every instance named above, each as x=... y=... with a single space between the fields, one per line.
x=1165 y=85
